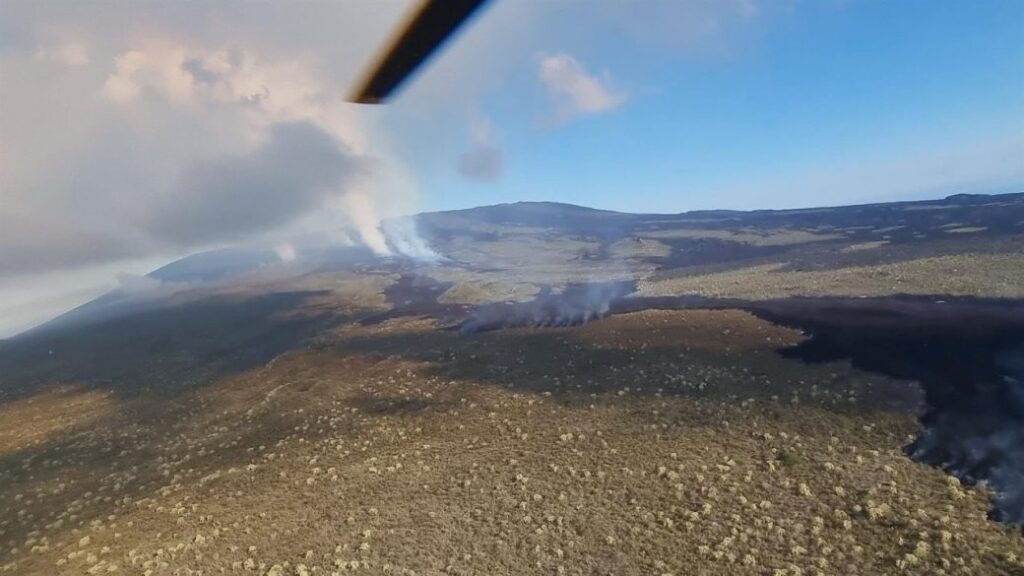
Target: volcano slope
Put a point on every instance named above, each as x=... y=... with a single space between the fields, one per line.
x=381 y=421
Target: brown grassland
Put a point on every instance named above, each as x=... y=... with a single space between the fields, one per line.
x=648 y=443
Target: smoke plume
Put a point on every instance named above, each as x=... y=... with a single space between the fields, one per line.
x=576 y=304
x=979 y=436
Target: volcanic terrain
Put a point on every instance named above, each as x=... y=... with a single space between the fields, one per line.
x=561 y=391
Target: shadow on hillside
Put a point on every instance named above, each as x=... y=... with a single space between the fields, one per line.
x=554 y=361
x=162 y=351
x=147 y=447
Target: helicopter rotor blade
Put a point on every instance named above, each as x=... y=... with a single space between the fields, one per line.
x=429 y=27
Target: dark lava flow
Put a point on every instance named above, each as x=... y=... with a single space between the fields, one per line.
x=968 y=356
x=966 y=353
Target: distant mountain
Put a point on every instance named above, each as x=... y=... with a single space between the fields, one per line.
x=531 y=213
x=1000 y=212
x=904 y=222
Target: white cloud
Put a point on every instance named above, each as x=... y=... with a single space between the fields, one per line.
x=71 y=54
x=574 y=91
x=156 y=68
x=286 y=252
x=182 y=144
x=264 y=90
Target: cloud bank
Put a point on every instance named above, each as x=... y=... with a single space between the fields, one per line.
x=235 y=197
x=198 y=126
x=575 y=92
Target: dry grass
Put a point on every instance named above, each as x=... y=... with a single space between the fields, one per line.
x=470 y=287
x=992 y=275
x=865 y=246
x=510 y=252
x=347 y=291
x=479 y=292
x=966 y=229
x=637 y=247
x=753 y=237
x=651 y=443
x=32 y=420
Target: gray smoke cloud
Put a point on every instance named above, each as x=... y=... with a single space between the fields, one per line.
x=197 y=126
x=234 y=197
x=983 y=441
x=576 y=304
x=981 y=449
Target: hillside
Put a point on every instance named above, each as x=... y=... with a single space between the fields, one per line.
x=563 y=391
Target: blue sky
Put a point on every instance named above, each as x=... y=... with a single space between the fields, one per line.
x=761 y=118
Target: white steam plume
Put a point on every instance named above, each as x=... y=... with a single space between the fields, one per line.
x=402 y=234
x=363 y=216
